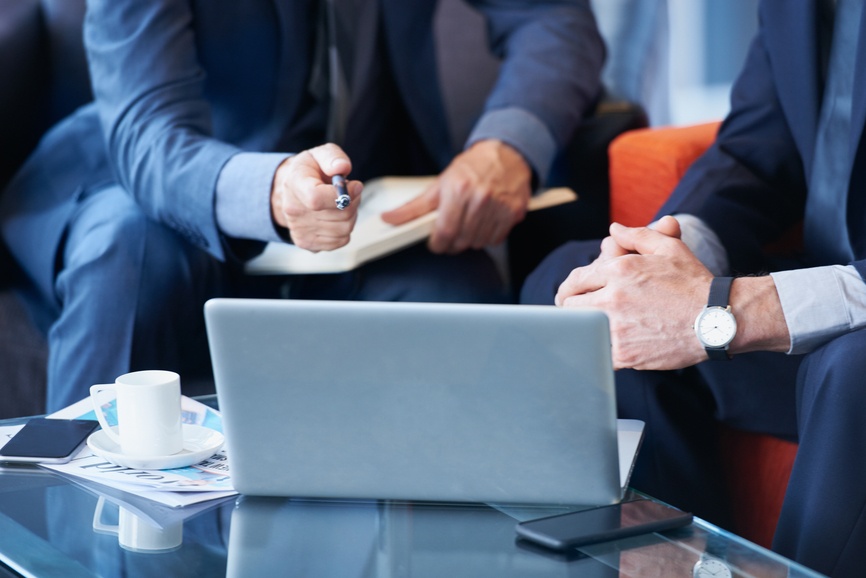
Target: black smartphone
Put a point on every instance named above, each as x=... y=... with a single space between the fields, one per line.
x=570 y=555
x=43 y=440
x=601 y=524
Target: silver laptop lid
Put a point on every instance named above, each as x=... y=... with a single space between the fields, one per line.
x=485 y=403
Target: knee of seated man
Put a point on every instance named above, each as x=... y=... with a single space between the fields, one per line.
x=836 y=368
x=117 y=247
x=541 y=285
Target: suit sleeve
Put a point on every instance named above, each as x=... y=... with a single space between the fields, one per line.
x=149 y=90
x=549 y=80
x=749 y=187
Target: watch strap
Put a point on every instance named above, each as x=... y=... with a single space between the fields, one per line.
x=717 y=354
x=720 y=296
x=720 y=292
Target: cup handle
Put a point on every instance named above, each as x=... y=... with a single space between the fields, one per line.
x=98 y=525
x=95 y=390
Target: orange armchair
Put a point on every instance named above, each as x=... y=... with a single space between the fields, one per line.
x=645 y=166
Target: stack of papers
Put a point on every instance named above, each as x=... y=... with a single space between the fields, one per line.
x=205 y=481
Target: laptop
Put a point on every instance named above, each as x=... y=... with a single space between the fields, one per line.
x=418 y=401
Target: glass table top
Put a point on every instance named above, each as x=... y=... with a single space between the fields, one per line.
x=53 y=526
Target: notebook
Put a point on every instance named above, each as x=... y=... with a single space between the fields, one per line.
x=373 y=238
x=418 y=401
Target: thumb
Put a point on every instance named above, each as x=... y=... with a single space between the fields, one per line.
x=643 y=240
x=332 y=160
x=669 y=226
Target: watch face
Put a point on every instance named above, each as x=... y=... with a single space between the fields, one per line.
x=716 y=327
x=711 y=568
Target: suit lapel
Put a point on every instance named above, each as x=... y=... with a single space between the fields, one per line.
x=857 y=182
x=793 y=48
x=858 y=110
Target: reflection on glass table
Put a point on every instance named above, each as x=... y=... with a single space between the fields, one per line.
x=366 y=539
x=51 y=525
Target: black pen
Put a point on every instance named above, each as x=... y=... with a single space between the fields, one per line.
x=343 y=199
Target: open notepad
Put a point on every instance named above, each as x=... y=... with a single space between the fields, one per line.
x=373 y=238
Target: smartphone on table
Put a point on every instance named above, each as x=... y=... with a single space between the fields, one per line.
x=47 y=441
x=574 y=529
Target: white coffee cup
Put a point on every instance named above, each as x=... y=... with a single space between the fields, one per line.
x=148 y=412
x=137 y=534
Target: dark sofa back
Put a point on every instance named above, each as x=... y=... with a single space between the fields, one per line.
x=43 y=72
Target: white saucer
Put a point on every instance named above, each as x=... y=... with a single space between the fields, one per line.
x=199 y=443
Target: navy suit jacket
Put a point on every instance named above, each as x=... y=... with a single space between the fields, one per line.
x=183 y=85
x=751 y=185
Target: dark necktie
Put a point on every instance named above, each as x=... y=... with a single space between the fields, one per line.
x=825 y=225
x=332 y=66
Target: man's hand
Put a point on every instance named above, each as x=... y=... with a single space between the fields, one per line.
x=481 y=195
x=302 y=199
x=666 y=225
x=652 y=288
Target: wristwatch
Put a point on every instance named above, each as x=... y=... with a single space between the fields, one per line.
x=715 y=325
x=711 y=564
x=709 y=567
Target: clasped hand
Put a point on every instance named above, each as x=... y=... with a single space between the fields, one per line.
x=652 y=287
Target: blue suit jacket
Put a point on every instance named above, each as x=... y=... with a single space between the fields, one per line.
x=183 y=85
x=751 y=185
